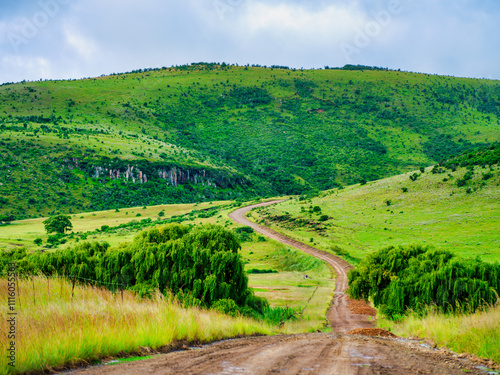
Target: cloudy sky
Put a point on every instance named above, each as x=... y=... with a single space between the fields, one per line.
x=54 y=39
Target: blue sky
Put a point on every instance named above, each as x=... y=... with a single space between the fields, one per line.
x=55 y=39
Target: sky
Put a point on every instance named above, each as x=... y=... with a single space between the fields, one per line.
x=67 y=39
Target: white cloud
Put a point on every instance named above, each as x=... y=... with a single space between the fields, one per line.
x=82 y=45
x=39 y=67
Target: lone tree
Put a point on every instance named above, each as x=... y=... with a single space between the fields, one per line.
x=58 y=224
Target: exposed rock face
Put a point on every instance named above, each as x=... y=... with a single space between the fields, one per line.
x=174 y=176
x=144 y=172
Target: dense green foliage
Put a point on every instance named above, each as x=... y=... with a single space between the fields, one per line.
x=417 y=277
x=485 y=156
x=200 y=265
x=229 y=131
x=46 y=179
x=58 y=224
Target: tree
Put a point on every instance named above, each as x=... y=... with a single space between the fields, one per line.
x=58 y=224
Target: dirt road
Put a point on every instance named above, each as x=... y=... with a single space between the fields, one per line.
x=340 y=317
x=313 y=353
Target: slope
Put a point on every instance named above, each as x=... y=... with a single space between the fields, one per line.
x=254 y=130
x=454 y=208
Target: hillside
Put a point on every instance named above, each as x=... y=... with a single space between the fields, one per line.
x=206 y=131
x=451 y=208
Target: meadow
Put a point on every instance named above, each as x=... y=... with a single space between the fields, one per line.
x=431 y=210
x=48 y=301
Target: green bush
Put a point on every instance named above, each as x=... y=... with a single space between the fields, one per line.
x=416 y=277
x=226 y=306
x=200 y=265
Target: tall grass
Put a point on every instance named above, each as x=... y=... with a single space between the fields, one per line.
x=57 y=329
x=477 y=333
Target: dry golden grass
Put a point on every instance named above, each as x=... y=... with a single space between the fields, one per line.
x=477 y=333
x=54 y=329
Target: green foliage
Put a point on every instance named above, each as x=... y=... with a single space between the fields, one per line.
x=226 y=306
x=442 y=146
x=489 y=155
x=414 y=177
x=200 y=265
x=416 y=277
x=58 y=224
x=244 y=233
x=259 y=271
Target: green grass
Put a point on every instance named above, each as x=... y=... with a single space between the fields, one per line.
x=432 y=211
x=57 y=326
x=24 y=232
x=289 y=288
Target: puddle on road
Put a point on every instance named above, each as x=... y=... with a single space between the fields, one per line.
x=228 y=368
x=356 y=354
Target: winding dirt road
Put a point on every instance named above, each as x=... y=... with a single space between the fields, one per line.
x=314 y=353
x=340 y=317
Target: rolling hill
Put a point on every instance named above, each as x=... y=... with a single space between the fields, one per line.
x=215 y=131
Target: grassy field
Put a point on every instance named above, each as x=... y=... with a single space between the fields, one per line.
x=285 y=289
x=290 y=288
x=51 y=302
x=477 y=333
x=433 y=211
x=24 y=232
x=57 y=326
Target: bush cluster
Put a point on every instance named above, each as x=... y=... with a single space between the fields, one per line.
x=416 y=277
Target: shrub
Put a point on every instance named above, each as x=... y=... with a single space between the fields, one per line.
x=200 y=265
x=416 y=277
x=226 y=306
x=323 y=218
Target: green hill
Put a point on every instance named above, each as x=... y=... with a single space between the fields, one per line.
x=448 y=206
x=208 y=131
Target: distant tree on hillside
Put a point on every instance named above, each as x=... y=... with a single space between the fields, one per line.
x=58 y=224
